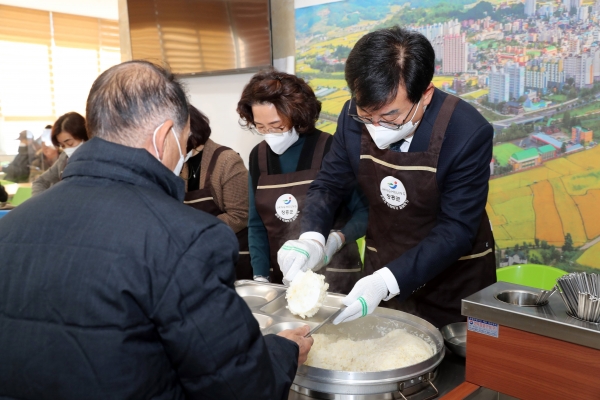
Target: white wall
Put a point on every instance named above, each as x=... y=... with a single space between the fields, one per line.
x=217 y=97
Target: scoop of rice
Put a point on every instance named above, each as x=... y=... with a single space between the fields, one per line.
x=397 y=349
x=306 y=294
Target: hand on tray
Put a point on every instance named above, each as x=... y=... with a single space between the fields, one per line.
x=304 y=343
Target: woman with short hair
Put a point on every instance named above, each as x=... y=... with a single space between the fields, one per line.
x=68 y=133
x=283 y=109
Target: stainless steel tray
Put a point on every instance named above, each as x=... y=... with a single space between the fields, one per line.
x=268 y=305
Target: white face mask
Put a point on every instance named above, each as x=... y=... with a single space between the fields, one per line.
x=280 y=143
x=188 y=155
x=70 y=150
x=384 y=137
x=182 y=159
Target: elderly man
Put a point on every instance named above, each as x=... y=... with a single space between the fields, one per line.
x=112 y=288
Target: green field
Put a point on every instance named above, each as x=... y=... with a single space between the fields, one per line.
x=333 y=103
x=326 y=126
x=490 y=115
x=577 y=112
x=579 y=184
x=558 y=98
x=301 y=67
x=520 y=218
x=572 y=182
x=439 y=80
x=476 y=94
x=521 y=179
x=591 y=257
x=485 y=43
x=503 y=152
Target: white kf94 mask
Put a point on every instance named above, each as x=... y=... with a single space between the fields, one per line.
x=384 y=137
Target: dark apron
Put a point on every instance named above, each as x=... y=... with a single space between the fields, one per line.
x=400 y=219
x=279 y=199
x=202 y=199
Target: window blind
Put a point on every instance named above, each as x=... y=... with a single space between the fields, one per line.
x=48 y=63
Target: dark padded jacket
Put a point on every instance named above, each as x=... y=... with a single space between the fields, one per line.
x=111 y=288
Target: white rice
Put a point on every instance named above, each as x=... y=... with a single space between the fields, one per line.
x=397 y=349
x=306 y=294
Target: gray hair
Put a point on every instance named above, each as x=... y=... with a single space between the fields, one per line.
x=129 y=101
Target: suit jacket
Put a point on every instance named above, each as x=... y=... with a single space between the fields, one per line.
x=462 y=176
x=112 y=288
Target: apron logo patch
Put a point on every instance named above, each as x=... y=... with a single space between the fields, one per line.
x=286 y=208
x=393 y=193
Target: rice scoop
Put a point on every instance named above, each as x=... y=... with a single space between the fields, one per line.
x=306 y=294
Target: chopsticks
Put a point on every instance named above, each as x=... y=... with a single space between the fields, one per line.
x=580 y=291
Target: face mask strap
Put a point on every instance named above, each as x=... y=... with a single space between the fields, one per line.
x=415 y=113
x=154 y=141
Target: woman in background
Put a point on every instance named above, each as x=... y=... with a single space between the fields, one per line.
x=216 y=181
x=283 y=109
x=68 y=133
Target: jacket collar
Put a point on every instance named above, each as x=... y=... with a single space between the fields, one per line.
x=98 y=158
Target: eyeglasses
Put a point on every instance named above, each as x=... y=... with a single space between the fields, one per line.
x=264 y=131
x=385 y=123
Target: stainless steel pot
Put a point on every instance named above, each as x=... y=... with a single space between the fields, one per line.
x=376 y=325
x=268 y=305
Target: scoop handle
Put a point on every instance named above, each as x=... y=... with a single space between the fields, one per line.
x=316 y=328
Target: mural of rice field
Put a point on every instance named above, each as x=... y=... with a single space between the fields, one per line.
x=533 y=73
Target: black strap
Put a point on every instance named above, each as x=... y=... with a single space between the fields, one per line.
x=262 y=157
x=310 y=150
x=319 y=152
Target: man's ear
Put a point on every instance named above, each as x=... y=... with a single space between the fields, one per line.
x=428 y=94
x=162 y=133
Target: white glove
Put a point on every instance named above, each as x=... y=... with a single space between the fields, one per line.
x=262 y=279
x=300 y=255
x=333 y=245
x=363 y=299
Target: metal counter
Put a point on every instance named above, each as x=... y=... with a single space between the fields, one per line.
x=550 y=320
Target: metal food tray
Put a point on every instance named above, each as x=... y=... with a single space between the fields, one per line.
x=269 y=307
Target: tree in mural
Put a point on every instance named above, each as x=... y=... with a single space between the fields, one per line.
x=568 y=246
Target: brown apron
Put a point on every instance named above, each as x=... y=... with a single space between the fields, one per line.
x=202 y=199
x=279 y=199
x=403 y=205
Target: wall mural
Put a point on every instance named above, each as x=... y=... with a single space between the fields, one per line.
x=532 y=68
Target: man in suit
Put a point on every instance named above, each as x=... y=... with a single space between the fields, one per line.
x=422 y=158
